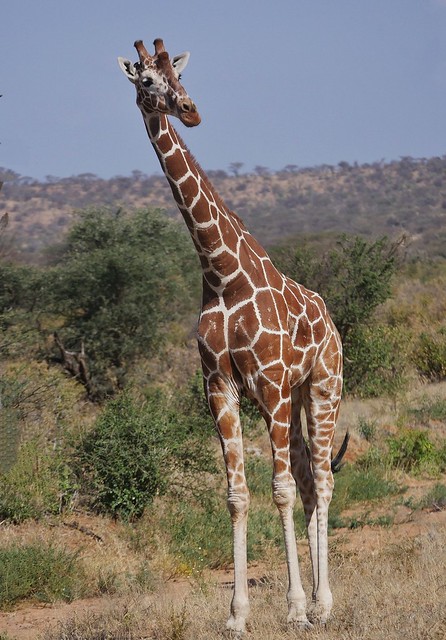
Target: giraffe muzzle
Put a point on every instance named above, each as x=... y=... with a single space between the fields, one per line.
x=188 y=114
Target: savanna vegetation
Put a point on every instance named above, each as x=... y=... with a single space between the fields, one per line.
x=102 y=417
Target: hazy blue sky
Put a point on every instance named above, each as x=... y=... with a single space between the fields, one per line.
x=279 y=82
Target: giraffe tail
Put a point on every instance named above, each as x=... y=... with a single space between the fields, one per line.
x=336 y=463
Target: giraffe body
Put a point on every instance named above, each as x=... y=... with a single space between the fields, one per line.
x=260 y=334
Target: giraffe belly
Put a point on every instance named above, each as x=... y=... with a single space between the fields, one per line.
x=244 y=344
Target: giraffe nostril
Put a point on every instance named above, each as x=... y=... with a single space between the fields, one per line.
x=186 y=107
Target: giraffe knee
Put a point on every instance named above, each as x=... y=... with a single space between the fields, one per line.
x=238 y=504
x=284 y=494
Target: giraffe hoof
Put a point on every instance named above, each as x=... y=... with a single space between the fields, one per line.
x=300 y=624
x=235 y=628
x=234 y=635
x=319 y=615
x=320 y=608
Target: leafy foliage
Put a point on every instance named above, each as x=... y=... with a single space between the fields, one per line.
x=413 y=450
x=353 y=278
x=121 y=458
x=136 y=452
x=17 y=286
x=120 y=281
x=430 y=355
x=376 y=360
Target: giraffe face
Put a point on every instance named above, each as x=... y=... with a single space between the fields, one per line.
x=157 y=82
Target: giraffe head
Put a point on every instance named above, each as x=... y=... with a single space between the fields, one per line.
x=157 y=82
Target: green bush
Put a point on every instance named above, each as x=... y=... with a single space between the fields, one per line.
x=413 y=451
x=120 y=281
x=121 y=459
x=354 y=277
x=377 y=362
x=137 y=451
x=40 y=572
x=367 y=428
x=430 y=355
x=19 y=288
x=359 y=484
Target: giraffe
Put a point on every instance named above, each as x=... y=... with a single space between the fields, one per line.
x=260 y=334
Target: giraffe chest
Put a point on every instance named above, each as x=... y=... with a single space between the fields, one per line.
x=251 y=335
x=243 y=337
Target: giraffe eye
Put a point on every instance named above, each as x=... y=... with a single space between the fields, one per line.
x=147 y=82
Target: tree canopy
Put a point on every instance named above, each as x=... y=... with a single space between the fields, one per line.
x=121 y=279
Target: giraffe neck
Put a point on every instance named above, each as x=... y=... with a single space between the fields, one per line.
x=217 y=233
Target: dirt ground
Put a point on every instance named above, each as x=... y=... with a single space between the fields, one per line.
x=27 y=622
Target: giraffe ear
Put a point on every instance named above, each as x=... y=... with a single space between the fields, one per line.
x=128 y=68
x=179 y=62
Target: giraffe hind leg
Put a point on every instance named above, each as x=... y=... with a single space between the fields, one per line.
x=321 y=407
x=303 y=476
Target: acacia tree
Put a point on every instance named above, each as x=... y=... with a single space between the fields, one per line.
x=121 y=279
x=235 y=167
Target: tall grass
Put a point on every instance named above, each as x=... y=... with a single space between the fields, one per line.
x=33 y=486
x=40 y=572
x=396 y=592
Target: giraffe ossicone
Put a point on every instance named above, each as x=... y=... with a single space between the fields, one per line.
x=260 y=334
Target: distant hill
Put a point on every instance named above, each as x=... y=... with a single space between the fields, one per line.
x=401 y=197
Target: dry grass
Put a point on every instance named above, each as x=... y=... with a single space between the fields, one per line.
x=388 y=583
x=396 y=592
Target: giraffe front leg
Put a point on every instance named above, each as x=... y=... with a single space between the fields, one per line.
x=238 y=505
x=297 y=602
x=224 y=405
